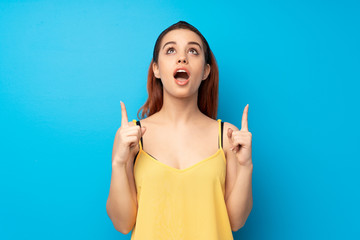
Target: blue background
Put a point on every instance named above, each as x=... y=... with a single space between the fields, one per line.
x=65 y=65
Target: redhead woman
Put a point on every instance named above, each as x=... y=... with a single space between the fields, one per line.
x=179 y=172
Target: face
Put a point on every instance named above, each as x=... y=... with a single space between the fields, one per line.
x=181 y=48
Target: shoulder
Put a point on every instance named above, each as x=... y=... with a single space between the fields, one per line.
x=143 y=122
x=133 y=122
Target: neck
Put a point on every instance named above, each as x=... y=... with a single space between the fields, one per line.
x=179 y=111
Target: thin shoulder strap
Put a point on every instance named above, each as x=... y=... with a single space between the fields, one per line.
x=220 y=140
x=141 y=140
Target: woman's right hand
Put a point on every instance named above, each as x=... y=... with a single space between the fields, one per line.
x=127 y=138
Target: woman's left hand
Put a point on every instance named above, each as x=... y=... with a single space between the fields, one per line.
x=241 y=141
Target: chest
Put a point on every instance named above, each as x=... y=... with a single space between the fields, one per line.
x=180 y=149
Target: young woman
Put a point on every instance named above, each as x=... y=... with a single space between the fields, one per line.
x=176 y=174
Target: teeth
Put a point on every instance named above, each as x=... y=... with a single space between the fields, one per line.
x=180 y=70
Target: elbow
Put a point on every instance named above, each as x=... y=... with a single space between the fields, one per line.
x=236 y=228
x=238 y=224
x=123 y=230
x=120 y=227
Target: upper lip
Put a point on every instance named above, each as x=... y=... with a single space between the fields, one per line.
x=182 y=68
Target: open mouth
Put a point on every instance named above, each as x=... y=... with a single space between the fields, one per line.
x=181 y=75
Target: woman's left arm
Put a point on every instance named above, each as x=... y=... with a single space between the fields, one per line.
x=239 y=199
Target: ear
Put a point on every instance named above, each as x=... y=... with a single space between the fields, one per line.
x=206 y=71
x=155 y=68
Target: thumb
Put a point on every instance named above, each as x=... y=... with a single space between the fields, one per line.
x=229 y=133
x=143 y=130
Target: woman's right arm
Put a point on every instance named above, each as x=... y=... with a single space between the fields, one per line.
x=121 y=204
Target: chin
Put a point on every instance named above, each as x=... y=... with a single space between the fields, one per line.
x=182 y=93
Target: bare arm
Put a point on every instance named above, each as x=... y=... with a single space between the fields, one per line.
x=238 y=197
x=240 y=201
x=121 y=205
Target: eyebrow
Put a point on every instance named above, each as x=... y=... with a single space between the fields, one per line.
x=172 y=42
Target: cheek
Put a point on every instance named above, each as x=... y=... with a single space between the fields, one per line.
x=200 y=70
x=165 y=68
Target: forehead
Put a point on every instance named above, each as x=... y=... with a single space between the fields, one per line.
x=181 y=36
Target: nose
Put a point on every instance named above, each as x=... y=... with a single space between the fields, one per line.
x=182 y=59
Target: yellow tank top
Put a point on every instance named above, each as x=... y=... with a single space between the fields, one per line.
x=181 y=204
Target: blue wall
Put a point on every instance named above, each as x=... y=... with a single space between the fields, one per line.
x=64 y=67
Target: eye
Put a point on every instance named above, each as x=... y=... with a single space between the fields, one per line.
x=169 y=50
x=193 y=50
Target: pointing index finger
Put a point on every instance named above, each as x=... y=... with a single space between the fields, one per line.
x=124 y=118
x=244 y=121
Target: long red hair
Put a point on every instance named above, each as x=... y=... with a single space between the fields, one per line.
x=208 y=90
